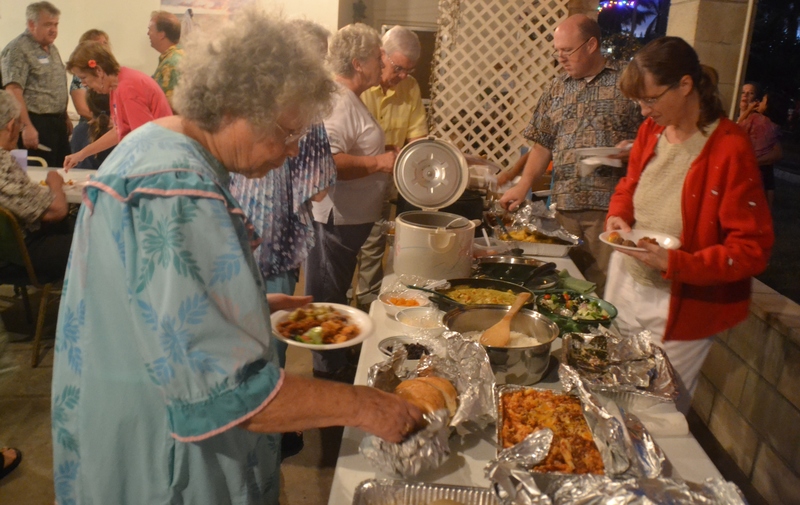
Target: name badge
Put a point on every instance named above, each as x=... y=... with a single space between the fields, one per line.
x=44 y=60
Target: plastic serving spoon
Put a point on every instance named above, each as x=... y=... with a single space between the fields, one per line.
x=500 y=332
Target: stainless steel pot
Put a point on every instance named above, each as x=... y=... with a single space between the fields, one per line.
x=511 y=365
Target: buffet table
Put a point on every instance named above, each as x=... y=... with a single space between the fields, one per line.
x=74 y=180
x=470 y=453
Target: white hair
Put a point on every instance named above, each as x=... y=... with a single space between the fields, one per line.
x=401 y=40
x=256 y=67
x=352 y=42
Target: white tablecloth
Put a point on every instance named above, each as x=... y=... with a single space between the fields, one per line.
x=471 y=453
x=74 y=180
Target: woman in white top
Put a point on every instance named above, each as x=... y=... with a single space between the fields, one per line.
x=344 y=218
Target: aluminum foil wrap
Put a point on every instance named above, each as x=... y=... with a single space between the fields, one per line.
x=534 y=217
x=597 y=490
x=512 y=482
x=628 y=450
x=641 y=483
x=425 y=450
x=465 y=364
x=614 y=365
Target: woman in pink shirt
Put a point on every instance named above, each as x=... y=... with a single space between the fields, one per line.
x=134 y=97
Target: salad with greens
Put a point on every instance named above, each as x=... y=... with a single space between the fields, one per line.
x=573 y=307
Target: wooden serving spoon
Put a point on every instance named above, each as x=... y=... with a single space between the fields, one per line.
x=500 y=332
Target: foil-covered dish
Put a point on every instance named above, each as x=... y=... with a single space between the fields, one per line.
x=590 y=434
x=463 y=364
x=635 y=470
x=391 y=492
x=533 y=228
x=634 y=371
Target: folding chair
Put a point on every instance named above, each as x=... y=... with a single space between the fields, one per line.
x=16 y=269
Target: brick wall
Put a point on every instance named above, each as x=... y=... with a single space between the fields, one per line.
x=749 y=395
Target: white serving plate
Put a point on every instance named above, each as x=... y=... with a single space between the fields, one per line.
x=664 y=240
x=74 y=180
x=357 y=317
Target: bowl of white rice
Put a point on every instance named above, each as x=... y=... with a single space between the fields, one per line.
x=525 y=359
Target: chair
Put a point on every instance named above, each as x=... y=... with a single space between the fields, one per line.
x=16 y=269
x=37 y=159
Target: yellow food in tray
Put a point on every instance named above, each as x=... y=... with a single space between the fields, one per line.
x=529 y=236
x=481 y=296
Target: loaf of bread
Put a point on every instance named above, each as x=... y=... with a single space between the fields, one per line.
x=429 y=394
x=448 y=392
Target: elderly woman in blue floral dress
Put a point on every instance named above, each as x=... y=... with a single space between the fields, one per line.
x=166 y=387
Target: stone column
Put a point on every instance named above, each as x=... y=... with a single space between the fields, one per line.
x=716 y=29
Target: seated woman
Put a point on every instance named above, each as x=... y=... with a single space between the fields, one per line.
x=691 y=174
x=40 y=210
x=134 y=97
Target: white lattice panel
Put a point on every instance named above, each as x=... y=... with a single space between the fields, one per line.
x=492 y=61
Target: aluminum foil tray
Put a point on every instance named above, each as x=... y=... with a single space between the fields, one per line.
x=500 y=391
x=395 y=492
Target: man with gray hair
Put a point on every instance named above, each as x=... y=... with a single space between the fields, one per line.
x=164 y=32
x=397 y=105
x=33 y=72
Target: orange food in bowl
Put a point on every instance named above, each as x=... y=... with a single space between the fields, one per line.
x=403 y=302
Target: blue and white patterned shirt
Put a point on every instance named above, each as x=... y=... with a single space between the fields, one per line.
x=278 y=204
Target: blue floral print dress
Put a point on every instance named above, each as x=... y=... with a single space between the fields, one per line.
x=163 y=338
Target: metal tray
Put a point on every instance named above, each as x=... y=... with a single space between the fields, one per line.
x=394 y=492
x=501 y=391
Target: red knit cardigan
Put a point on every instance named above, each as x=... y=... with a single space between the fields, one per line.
x=727 y=230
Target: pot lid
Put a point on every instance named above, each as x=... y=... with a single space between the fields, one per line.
x=431 y=173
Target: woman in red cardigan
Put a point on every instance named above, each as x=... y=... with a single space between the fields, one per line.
x=692 y=174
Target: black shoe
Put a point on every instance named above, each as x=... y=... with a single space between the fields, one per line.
x=291 y=444
x=346 y=374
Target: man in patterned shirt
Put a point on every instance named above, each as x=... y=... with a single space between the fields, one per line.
x=164 y=32
x=33 y=72
x=40 y=210
x=583 y=107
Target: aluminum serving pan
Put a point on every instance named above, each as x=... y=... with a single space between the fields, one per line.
x=392 y=492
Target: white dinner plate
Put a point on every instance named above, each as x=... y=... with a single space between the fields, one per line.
x=355 y=316
x=664 y=240
x=74 y=181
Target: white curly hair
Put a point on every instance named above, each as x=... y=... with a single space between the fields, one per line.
x=254 y=67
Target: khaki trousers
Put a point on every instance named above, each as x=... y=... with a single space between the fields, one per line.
x=592 y=256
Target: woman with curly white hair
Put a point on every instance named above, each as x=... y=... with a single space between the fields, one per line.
x=166 y=388
x=344 y=218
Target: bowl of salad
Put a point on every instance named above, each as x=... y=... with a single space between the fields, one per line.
x=572 y=311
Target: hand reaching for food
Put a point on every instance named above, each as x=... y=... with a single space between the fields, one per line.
x=386 y=415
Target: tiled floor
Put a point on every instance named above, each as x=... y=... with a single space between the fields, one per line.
x=25 y=424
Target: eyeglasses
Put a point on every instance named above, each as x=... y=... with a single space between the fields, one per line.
x=293 y=136
x=398 y=69
x=558 y=53
x=651 y=101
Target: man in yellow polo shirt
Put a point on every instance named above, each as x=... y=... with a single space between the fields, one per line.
x=397 y=105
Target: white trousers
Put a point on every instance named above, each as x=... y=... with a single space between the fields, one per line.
x=643 y=307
